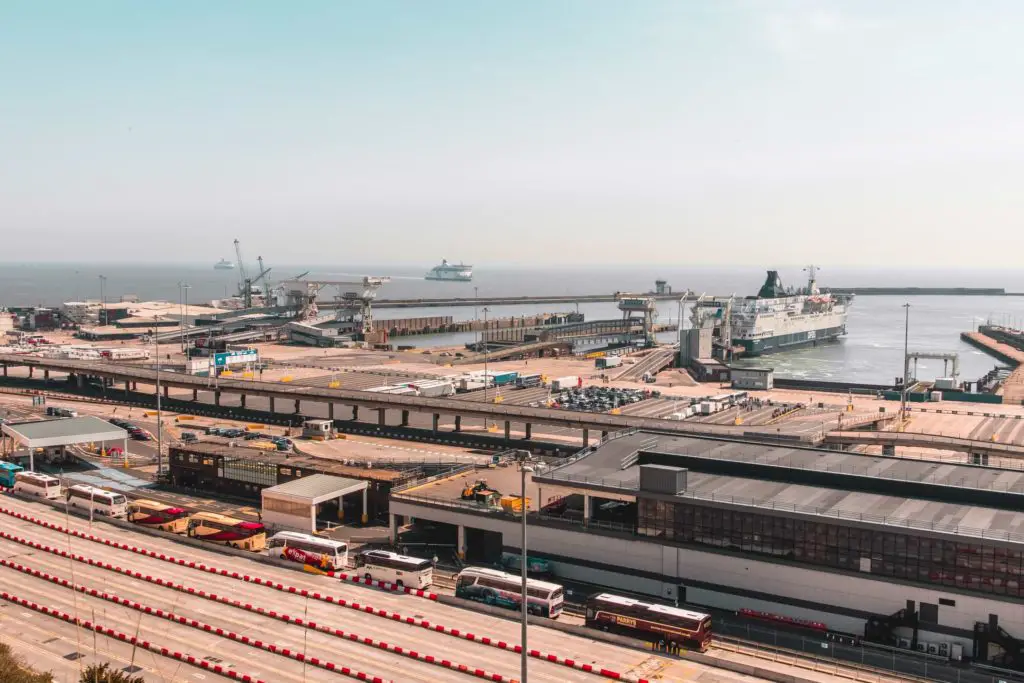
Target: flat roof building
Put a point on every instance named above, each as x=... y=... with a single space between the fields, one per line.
x=904 y=552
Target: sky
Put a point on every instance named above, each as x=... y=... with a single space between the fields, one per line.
x=540 y=132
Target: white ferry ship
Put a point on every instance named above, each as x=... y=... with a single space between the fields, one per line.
x=455 y=272
x=224 y=264
x=778 y=319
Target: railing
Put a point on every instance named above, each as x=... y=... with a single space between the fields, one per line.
x=426 y=480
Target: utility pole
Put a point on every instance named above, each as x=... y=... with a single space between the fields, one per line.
x=487 y=378
x=906 y=364
x=159 y=414
x=524 y=458
x=103 y=300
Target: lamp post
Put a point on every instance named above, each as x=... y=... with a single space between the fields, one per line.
x=159 y=414
x=103 y=299
x=523 y=458
x=476 y=319
x=906 y=364
x=183 y=288
x=487 y=378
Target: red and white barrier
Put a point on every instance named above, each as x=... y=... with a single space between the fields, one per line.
x=394 y=616
x=295 y=621
x=220 y=669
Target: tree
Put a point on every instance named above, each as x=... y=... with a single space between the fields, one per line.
x=102 y=673
x=13 y=669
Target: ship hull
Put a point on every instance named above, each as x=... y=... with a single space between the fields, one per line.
x=444 y=277
x=789 y=342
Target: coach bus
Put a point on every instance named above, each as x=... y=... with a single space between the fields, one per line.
x=505 y=590
x=97 y=500
x=36 y=484
x=322 y=553
x=382 y=565
x=157 y=515
x=648 y=621
x=209 y=526
x=8 y=471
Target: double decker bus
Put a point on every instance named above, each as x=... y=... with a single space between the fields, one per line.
x=36 y=484
x=97 y=500
x=383 y=565
x=158 y=515
x=505 y=590
x=209 y=526
x=323 y=553
x=8 y=470
x=649 y=621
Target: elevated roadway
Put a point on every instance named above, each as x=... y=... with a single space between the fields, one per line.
x=600 y=422
x=945 y=443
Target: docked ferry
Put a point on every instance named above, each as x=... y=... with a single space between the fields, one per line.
x=778 y=319
x=455 y=272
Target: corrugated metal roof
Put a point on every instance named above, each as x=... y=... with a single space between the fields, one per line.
x=317 y=486
x=64 y=431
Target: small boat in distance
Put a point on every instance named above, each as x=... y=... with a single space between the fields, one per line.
x=454 y=272
x=224 y=264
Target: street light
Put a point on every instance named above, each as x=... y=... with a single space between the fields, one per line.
x=103 y=299
x=906 y=365
x=159 y=414
x=487 y=378
x=183 y=288
x=523 y=458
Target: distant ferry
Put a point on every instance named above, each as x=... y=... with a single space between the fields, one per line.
x=224 y=264
x=455 y=272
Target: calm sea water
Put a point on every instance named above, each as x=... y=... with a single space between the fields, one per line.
x=872 y=352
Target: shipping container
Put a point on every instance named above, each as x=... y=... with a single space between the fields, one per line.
x=433 y=388
x=563 y=383
x=608 y=362
x=527 y=381
x=503 y=377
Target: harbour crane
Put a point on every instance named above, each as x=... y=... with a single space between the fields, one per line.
x=302 y=294
x=242 y=277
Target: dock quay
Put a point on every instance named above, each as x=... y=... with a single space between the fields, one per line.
x=512 y=300
x=1006 y=345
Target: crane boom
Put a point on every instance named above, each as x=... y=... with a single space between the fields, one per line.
x=242 y=285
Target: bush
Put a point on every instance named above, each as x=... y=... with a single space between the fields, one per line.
x=13 y=670
x=102 y=673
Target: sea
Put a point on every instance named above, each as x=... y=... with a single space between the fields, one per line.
x=872 y=351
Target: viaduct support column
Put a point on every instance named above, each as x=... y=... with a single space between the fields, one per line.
x=392 y=528
x=330 y=411
x=167 y=391
x=405 y=418
x=46 y=375
x=508 y=430
x=355 y=412
x=298 y=406
x=241 y=400
x=79 y=379
x=586 y=438
x=382 y=416
x=604 y=435
x=366 y=517
x=271 y=404
x=529 y=431
x=30 y=369
x=195 y=394
x=458 y=423
x=437 y=418
x=5 y=369
x=586 y=509
x=216 y=398
x=460 y=547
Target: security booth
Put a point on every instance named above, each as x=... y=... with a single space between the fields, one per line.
x=297 y=504
x=316 y=429
x=50 y=438
x=760 y=379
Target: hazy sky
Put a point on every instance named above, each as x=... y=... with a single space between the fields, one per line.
x=724 y=131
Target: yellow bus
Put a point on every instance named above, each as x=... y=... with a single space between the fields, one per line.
x=157 y=515
x=209 y=526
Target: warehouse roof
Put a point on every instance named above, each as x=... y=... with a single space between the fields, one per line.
x=315 y=488
x=64 y=432
x=961 y=499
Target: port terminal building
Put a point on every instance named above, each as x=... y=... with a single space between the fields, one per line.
x=913 y=554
